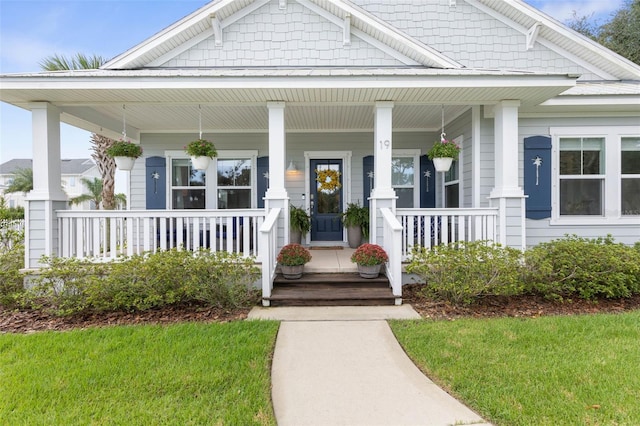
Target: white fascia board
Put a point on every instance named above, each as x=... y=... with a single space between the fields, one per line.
x=165 y=35
x=182 y=48
x=290 y=82
x=632 y=100
x=570 y=56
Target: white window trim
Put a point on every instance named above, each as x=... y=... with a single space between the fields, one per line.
x=211 y=185
x=460 y=162
x=612 y=177
x=415 y=153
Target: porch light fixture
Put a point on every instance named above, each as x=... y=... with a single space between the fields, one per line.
x=292 y=168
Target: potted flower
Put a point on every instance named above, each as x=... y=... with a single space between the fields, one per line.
x=356 y=220
x=124 y=153
x=443 y=153
x=369 y=258
x=291 y=259
x=299 y=224
x=201 y=152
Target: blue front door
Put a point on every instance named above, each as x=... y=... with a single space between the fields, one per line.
x=326 y=200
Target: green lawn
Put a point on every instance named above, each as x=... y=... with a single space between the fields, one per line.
x=140 y=375
x=579 y=370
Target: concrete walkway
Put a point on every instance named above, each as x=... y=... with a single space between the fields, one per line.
x=343 y=366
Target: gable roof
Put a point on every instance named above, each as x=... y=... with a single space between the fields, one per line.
x=74 y=166
x=212 y=18
x=558 y=37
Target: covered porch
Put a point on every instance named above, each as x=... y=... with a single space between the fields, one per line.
x=281 y=116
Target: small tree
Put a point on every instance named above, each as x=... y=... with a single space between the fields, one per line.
x=22 y=181
x=95 y=192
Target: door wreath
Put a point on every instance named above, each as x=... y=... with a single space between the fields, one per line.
x=329 y=180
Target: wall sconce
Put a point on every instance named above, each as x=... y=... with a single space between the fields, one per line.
x=292 y=168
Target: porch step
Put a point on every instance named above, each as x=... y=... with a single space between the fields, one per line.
x=331 y=289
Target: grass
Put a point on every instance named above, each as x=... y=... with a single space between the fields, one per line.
x=541 y=371
x=187 y=374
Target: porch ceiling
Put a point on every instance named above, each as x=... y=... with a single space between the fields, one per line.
x=317 y=100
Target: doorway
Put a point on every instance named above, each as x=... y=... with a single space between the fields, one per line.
x=326 y=199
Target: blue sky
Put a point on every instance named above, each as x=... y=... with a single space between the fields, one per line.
x=31 y=30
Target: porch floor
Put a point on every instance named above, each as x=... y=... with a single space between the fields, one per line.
x=331 y=261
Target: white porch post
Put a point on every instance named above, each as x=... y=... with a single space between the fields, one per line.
x=47 y=195
x=382 y=194
x=507 y=194
x=276 y=195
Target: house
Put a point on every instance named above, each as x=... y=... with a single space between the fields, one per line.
x=548 y=122
x=71 y=171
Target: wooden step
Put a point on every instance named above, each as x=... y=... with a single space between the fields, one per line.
x=331 y=289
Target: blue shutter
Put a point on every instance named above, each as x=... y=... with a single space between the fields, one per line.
x=367 y=176
x=156 y=181
x=262 y=167
x=537 y=176
x=427 y=183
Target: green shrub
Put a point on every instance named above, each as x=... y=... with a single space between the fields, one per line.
x=143 y=282
x=585 y=268
x=11 y=261
x=461 y=273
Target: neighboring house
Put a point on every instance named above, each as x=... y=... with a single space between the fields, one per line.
x=71 y=171
x=548 y=121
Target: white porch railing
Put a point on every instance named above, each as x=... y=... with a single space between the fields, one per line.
x=104 y=235
x=430 y=227
x=268 y=249
x=392 y=237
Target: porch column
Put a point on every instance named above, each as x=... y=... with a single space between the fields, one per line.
x=507 y=194
x=276 y=195
x=382 y=194
x=47 y=195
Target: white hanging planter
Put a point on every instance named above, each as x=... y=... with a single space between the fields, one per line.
x=200 y=163
x=442 y=164
x=124 y=163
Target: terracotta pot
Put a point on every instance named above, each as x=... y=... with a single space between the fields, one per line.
x=200 y=163
x=369 y=271
x=291 y=272
x=124 y=163
x=442 y=164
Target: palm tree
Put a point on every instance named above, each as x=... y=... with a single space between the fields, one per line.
x=106 y=165
x=22 y=181
x=95 y=192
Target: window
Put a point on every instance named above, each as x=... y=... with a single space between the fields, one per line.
x=234 y=186
x=452 y=186
x=187 y=185
x=234 y=183
x=596 y=174
x=630 y=182
x=405 y=175
x=582 y=173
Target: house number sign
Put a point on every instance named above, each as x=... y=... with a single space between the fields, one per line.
x=385 y=144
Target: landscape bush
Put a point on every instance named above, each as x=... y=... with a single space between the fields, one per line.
x=460 y=273
x=11 y=262
x=583 y=268
x=143 y=282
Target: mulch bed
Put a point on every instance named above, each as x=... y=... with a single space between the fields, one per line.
x=519 y=306
x=29 y=321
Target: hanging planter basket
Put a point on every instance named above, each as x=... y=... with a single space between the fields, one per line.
x=200 y=162
x=124 y=163
x=442 y=164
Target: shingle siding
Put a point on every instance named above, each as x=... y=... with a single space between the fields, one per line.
x=272 y=37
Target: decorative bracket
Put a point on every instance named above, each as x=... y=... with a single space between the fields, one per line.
x=347 y=30
x=282 y=4
x=217 y=30
x=452 y=3
x=532 y=35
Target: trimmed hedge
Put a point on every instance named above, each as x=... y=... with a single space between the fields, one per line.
x=144 y=282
